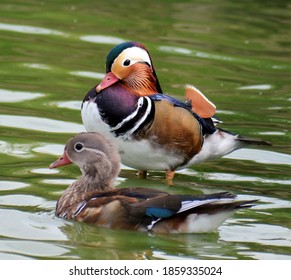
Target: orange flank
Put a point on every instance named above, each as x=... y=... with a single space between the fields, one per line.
x=200 y=103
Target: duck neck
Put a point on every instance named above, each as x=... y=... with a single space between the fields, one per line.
x=142 y=82
x=90 y=185
x=98 y=176
x=86 y=186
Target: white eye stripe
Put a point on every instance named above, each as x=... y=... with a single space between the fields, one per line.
x=136 y=54
x=79 y=147
x=96 y=151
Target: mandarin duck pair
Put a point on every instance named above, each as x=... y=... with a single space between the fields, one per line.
x=128 y=115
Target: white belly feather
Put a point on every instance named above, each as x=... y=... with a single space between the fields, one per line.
x=136 y=154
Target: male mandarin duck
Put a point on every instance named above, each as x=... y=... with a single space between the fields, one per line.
x=93 y=198
x=154 y=131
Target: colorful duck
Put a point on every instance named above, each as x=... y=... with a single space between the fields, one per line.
x=94 y=199
x=154 y=131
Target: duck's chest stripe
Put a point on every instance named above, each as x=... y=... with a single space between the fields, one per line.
x=143 y=115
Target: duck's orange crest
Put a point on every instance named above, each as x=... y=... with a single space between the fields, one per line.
x=200 y=103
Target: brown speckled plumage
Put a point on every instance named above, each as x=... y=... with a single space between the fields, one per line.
x=94 y=199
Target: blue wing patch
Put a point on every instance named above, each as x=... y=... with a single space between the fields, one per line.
x=156 y=212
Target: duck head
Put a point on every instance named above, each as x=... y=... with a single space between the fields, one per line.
x=96 y=156
x=130 y=64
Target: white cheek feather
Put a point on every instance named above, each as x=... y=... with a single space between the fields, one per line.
x=136 y=54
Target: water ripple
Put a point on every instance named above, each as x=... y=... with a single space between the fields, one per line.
x=257 y=233
x=15 y=149
x=37 y=66
x=44 y=171
x=228 y=177
x=12 y=256
x=218 y=57
x=261 y=156
x=33 y=226
x=175 y=50
x=29 y=29
x=32 y=248
x=40 y=124
x=73 y=105
x=17 y=96
x=267 y=256
x=21 y=200
x=196 y=53
x=265 y=202
x=278 y=133
x=101 y=39
x=256 y=87
x=12 y=185
x=88 y=74
x=238 y=178
x=51 y=149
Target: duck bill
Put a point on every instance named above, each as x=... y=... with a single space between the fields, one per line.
x=63 y=160
x=107 y=81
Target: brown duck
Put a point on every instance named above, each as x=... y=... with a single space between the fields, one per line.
x=94 y=199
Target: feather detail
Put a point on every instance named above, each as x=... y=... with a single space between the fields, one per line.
x=141 y=80
x=93 y=198
x=177 y=124
x=200 y=103
x=187 y=203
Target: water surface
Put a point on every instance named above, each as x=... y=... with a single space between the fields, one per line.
x=53 y=52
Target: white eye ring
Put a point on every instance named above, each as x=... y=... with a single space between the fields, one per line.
x=126 y=62
x=78 y=147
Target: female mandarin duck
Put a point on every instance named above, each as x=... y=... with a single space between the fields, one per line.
x=153 y=131
x=93 y=198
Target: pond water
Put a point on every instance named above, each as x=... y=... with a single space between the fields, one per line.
x=53 y=52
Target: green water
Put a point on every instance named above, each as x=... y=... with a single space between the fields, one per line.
x=53 y=52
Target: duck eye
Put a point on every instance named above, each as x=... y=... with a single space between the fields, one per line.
x=126 y=62
x=78 y=147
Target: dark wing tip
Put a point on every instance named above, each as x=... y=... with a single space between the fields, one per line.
x=253 y=141
x=246 y=203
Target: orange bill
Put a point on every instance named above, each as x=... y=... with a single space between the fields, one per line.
x=107 y=81
x=63 y=160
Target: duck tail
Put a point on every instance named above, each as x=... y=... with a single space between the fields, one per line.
x=249 y=141
x=246 y=141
